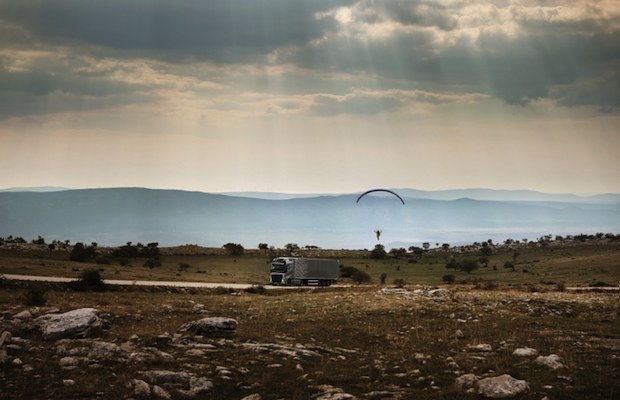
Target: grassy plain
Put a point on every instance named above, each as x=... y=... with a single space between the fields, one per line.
x=578 y=265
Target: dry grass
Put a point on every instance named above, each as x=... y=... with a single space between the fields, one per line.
x=368 y=341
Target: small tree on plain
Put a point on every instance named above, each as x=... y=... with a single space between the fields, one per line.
x=484 y=260
x=378 y=253
x=469 y=265
x=509 y=264
x=233 y=249
x=383 y=277
x=360 y=277
x=448 y=278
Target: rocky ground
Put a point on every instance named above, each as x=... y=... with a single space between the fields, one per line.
x=390 y=343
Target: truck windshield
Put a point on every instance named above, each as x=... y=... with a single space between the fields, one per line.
x=278 y=266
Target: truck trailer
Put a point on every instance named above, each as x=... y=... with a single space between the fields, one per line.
x=294 y=271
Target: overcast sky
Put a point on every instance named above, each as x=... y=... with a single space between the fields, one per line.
x=311 y=96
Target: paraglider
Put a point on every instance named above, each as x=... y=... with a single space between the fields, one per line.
x=379 y=190
x=380 y=220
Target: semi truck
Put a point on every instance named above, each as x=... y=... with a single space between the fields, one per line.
x=295 y=271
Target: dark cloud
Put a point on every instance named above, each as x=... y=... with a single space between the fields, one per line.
x=545 y=54
x=222 y=30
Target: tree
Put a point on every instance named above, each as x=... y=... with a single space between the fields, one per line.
x=81 y=253
x=486 y=251
x=397 y=253
x=469 y=265
x=263 y=246
x=360 y=277
x=426 y=245
x=152 y=263
x=509 y=264
x=452 y=264
x=150 y=251
x=515 y=255
x=484 y=260
x=448 y=278
x=383 y=277
x=446 y=246
x=184 y=266
x=378 y=253
x=290 y=247
x=234 y=249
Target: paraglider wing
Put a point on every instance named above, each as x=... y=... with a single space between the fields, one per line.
x=379 y=190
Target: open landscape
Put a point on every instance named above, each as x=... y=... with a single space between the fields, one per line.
x=550 y=325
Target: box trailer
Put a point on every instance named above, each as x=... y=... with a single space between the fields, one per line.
x=294 y=271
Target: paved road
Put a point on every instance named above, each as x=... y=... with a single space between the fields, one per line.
x=143 y=283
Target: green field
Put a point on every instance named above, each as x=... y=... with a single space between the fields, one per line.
x=575 y=265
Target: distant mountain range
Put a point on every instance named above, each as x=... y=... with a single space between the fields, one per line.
x=115 y=216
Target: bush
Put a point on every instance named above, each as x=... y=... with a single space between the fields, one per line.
x=378 y=253
x=490 y=285
x=184 y=266
x=102 y=261
x=383 y=277
x=400 y=282
x=360 y=277
x=448 y=278
x=152 y=263
x=347 y=272
x=89 y=280
x=260 y=289
x=36 y=296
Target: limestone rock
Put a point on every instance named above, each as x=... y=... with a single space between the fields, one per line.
x=552 y=361
x=466 y=381
x=254 y=396
x=4 y=358
x=141 y=389
x=169 y=378
x=160 y=393
x=212 y=327
x=5 y=338
x=502 y=386
x=72 y=324
x=328 y=392
x=525 y=352
x=23 y=315
x=480 y=347
x=104 y=350
x=69 y=361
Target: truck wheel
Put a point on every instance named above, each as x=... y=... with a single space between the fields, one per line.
x=289 y=283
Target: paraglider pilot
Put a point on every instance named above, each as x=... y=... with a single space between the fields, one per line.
x=378 y=232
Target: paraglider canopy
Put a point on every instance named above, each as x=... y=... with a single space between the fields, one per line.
x=379 y=190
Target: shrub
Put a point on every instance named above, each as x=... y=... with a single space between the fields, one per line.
x=223 y=290
x=360 y=277
x=102 y=261
x=561 y=286
x=383 y=277
x=448 y=278
x=260 y=289
x=89 y=280
x=347 y=272
x=124 y=262
x=184 y=266
x=399 y=282
x=490 y=285
x=36 y=296
x=152 y=263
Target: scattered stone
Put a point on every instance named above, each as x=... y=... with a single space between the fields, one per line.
x=197 y=385
x=69 y=362
x=104 y=350
x=23 y=315
x=466 y=381
x=168 y=378
x=68 y=382
x=17 y=361
x=480 y=347
x=141 y=389
x=502 y=386
x=254 y=396
x=459 y=334
x=199 y=308
x=328 y=392
x=552 y=361
x=77 y=323
x=525 y=352
x=282 y=350
x=160 y=393
x=3 y=357
x=5 y=338
x=212 y=327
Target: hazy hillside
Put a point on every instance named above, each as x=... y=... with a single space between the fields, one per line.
x=115 y=216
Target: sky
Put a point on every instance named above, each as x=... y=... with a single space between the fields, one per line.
x=311 y=96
